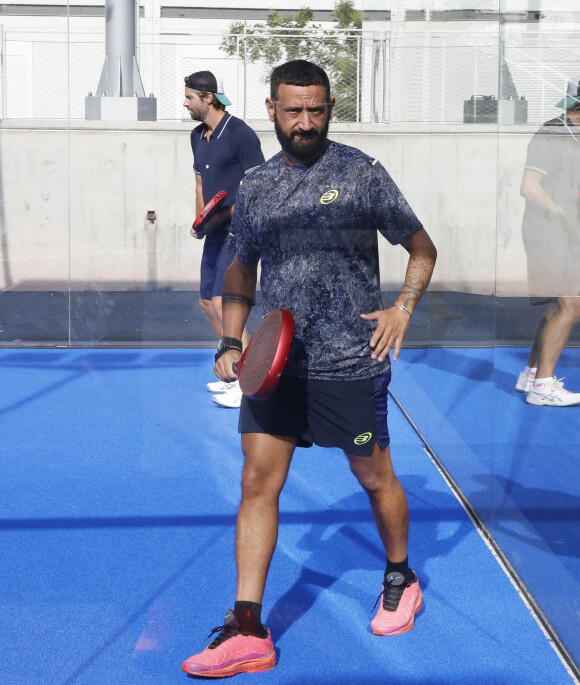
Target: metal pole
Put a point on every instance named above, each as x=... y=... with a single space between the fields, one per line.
x=120 y=93
x=4 y=89
x=245 y=71
x=120 y=76
x=358 y=58
x=137 y=31
x=238 y=72
x=386 y=78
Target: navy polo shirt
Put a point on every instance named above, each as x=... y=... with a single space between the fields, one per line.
x=232 y=151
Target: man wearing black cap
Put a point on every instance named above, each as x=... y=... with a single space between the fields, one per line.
x=225 y=149
x=551 y=187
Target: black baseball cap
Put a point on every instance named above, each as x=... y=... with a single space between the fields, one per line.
x=207 y=82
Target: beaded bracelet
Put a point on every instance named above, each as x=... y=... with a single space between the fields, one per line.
x=403 y=309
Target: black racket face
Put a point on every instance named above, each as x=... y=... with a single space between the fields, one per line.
x=266 y=355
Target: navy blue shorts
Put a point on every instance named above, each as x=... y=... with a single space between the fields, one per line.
x=350 y=415
x=214 y=263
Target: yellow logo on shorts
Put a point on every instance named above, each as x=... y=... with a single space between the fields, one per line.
x=328 y=197
x=363 y=438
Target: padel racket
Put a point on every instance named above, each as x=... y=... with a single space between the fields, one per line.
x=261 y=365
x=207 y=212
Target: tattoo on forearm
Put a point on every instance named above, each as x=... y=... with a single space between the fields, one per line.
x=236 y=298
x=417 y=279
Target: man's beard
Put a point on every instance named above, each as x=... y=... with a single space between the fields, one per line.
x=311 y=146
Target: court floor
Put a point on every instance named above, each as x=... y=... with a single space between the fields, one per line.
x=517 y=464
x=120 y=483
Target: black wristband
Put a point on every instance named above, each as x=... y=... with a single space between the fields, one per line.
x=226 y=344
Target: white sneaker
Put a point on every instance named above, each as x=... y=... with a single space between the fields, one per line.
x=230 y=399
x=553 y=394
x=220 y=386
x=525 y=382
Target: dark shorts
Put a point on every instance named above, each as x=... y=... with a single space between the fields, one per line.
x=350 y=415
x=214 y=263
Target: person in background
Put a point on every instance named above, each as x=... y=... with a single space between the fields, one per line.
x=225 y=149
x=551 y=234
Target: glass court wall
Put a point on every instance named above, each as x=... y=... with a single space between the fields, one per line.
x=95 y=217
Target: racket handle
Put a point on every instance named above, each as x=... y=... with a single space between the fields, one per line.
x=198 y=231
x=239 y=365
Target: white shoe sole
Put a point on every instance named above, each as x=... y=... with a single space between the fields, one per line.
x=228 y=400
x=540 y=401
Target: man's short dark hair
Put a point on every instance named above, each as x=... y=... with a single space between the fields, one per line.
x=298 y=72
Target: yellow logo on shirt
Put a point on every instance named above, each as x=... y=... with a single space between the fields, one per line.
x=328 y=197
x=363 y=438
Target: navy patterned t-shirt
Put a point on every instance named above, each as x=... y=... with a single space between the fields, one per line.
x=314 y=228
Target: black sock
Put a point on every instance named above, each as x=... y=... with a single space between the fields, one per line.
x=249 y=616
x=400 y=567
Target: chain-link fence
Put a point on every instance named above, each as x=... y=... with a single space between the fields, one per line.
x=245 y=63
x=376 y=77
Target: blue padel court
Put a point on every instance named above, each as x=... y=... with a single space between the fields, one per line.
x=120 y=485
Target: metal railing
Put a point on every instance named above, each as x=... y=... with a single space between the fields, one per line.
x=377 y=77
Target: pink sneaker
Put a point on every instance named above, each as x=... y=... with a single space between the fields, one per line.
x=231 y=653
x=400 y=601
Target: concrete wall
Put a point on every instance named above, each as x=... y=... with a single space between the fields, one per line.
x=74 y=203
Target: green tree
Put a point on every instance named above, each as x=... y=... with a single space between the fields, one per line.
x=295 y=36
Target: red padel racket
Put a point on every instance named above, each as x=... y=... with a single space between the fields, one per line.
x=263 y=360
x=208 y=211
